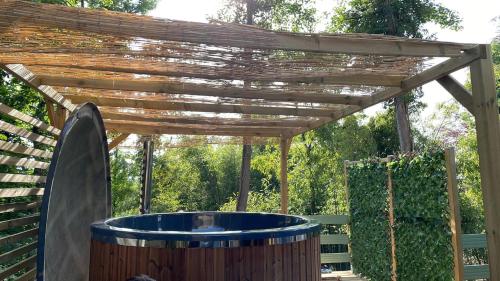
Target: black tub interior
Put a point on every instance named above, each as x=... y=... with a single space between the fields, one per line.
x=206 y=222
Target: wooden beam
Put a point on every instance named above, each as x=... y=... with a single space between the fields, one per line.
x=13 y=113
x=20 y=192
x=147 y=128
x=116 y=141
x=4 y=126
x=200 y=107
x=61 y=116
x=455 y=219
x=14 y=238
x=462 y=95
x=19 y=221
x=390 y=202
x=16 y=253
x=21 y=149
x=121 y=24
x=49 y=105
x=426 y=76
x=14 y=207
x=17 y=178
x=202 y=120
x=488 y=140
x=23 y=162
x=26 y=76
x=160 y=67
x=27 y=263
x=284 y=148
x=200 y=90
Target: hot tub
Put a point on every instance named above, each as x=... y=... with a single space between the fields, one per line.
x=215 y=246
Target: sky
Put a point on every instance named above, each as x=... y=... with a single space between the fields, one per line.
x=477 y=23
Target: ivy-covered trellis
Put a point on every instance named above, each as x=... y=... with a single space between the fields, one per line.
x=400 y=212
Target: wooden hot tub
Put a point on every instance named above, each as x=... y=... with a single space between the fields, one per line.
x=211 y=246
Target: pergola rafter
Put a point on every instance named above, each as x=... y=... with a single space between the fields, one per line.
x=156 y=76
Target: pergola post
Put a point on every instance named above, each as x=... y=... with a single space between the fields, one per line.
x=147 y=174
x=285 y=147
x=246 y=160
x=488 y=140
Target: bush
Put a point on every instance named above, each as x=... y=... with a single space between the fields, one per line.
x=370 y=241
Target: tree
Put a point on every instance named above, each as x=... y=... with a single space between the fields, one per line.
x=288 y=15
x=128 y=6
x=404 y=18
x=292 y=15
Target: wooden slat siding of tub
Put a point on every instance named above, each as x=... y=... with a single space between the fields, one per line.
x=476 y=271
x=20 y=204
x=333 y=239
x=264 y=263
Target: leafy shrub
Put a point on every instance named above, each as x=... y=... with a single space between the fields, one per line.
x=422 y=231
x=421 y=212
x=370 y=242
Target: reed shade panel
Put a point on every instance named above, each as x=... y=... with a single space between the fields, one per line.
x=137 y=64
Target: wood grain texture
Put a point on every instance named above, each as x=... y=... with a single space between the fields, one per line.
x=263 y=263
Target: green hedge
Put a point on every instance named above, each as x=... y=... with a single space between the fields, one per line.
x=422 y=232
x=370 y=241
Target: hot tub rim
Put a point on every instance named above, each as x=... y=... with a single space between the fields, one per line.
x=103 y=232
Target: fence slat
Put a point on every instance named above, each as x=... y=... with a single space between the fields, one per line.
x=334 y=239
x=13 y=113
x=335 y=258
x=28 y=276
x=474 y=241
x=473 y=272
x=19 y=222
x=21 y=149
x=335 y=219
x=14 y=238
x=14 y=207
x=23 y=162
x=16 y=253
x=26 y=134
x=19 y=192
x=24 y=264
x=17 y=178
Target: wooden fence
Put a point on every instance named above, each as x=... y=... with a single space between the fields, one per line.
x=21 y=188
x=474 y=272
x=334 y=239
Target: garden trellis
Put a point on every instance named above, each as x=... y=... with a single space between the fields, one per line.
x=156 y=76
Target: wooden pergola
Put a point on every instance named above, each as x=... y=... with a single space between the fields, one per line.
x=156 y=76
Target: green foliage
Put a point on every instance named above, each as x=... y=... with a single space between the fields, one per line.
x=421 y=226
x=421 y=210
x=419 y=187
x=289 y=15
x=370 y=241
x=404 y=18
x=125 y=179
x=128 y=6
x=423 y=251
x=264 y=201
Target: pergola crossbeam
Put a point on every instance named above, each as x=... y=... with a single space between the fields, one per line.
x=199 y=90
x=201 y=107
x=426 y=76
x=150 y=128
x=28 y=77
x=119 y=24
x=462 y=95
x=200 y=120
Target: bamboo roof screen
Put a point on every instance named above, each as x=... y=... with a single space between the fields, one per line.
x=158 y=76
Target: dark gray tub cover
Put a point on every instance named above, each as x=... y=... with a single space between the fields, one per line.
x=77 y=193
